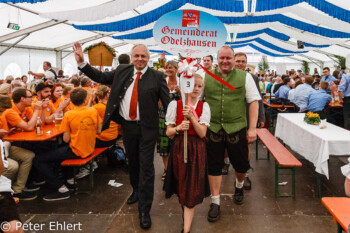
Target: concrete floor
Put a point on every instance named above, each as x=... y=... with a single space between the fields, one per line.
x=105 y=210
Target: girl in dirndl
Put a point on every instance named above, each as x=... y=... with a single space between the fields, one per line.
x=188 y=180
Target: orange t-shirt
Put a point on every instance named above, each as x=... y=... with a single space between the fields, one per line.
x=57 y=103
x=14 y=116
x=69 y=107
x=49 y=110
x=3 y=122
x=110 y=133
x=81 y=123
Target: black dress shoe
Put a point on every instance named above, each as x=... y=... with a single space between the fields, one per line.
x=239 y=196
x=145 y=220
x=214 y=213
x=134 y=197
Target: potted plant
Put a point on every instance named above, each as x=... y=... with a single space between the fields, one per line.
x=312 y=118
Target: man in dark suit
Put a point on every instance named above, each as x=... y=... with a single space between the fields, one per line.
x=133 y=103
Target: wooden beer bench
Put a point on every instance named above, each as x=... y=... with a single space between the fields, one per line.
x=339 y=207
x=77 y=163
x=283 y=158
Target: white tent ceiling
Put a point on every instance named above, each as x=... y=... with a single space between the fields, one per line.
x=59 y=35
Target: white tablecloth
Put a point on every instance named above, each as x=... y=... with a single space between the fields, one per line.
x=313 y=143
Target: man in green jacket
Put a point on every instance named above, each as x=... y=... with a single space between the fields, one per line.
x=228 y=125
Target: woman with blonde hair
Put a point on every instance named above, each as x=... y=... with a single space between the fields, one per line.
x=163 y=141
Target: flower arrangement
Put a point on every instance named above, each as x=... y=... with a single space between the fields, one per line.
x=312 y=118
x=109 y=48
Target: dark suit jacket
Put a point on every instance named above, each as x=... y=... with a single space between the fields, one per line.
x=261 y=116
x=151 y=87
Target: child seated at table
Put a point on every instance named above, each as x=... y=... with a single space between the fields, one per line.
x=80 y=127
x=109 y=136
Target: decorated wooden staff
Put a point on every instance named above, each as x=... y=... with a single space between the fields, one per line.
x=187 y=69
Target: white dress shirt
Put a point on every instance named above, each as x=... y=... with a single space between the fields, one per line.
x=124 y=107
x=251 y=92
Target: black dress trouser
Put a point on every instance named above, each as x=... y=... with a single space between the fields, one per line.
x=140 y=152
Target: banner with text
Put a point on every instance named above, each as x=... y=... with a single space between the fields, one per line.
x=191 y=33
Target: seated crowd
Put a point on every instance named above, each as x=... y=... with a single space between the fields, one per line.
x=308 y=93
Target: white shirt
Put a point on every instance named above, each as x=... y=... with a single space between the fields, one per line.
x=251 y=92
x=125 y=103
x=5 y=183
x=49 y=75
x=171 y=115
x=291 y=95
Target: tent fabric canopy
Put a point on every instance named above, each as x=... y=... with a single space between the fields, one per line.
x=21 y=1
x=271 y=27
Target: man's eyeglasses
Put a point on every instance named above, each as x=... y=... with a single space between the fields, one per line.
x=29 y=96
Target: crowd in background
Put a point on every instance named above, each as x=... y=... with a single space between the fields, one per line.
x=48 y=95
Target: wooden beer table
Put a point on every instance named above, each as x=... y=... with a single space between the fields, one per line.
x=50 y=131
x=273 y=110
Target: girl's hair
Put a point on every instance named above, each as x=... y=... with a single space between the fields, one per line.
x=102 y=91
x=54 y=98
x=199 y=76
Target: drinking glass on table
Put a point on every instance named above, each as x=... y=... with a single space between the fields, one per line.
x=58 y=118
x=336 y=100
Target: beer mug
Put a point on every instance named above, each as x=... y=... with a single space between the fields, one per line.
x=58 y=118
x=336 y=100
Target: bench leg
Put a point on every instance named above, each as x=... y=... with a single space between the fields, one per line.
x=293 y=181
x=277 y=168
x=276 y=180
x=256 y=148
x=75 y=179
x=318 y=184
x=91 y=176
x=340 y=229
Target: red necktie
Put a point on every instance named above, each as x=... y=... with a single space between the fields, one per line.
x=134 y=98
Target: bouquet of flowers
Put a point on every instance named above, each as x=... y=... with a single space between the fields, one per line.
x=312 y=118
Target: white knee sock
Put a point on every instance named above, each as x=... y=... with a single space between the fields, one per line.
x=227 y=160
x=63 y=190
x=239 y=184
x=215 y=199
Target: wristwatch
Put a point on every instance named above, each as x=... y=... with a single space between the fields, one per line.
x=176 y=132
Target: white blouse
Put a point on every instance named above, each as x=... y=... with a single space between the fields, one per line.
x=170 y=117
